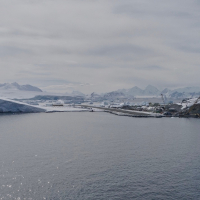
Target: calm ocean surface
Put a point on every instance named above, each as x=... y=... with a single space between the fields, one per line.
x=86 y=156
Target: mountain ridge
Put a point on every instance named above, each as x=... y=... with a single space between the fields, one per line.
x=184 y=92
x=16 y=86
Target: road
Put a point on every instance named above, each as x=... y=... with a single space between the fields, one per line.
x=130 y=112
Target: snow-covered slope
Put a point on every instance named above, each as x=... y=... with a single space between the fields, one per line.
x=11 y=106
x=188 y=103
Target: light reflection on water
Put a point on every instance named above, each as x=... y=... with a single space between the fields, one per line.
x=98 y=156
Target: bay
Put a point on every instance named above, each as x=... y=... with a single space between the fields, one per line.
x=98 y=156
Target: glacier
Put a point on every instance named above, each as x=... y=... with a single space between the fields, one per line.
x=12 y=106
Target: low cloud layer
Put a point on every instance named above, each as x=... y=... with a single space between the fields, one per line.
x=100 y=45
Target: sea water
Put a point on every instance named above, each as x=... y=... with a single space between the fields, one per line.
x=96 y=155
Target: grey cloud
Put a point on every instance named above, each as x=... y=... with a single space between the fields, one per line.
x=111 y=44
x=154 y=8
x=135 y=80
x=127 y=9
x=151 y=67
x=189 y=48
x=12 y=50
x=118 y=50
x=34 y=73
x=52 y=81
x=139 y=11
x=29 y=33
x=91 y=65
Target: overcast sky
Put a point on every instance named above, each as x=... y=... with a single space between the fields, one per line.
x=100 y=45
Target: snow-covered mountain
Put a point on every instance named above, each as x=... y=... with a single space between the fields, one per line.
x=186 y=92
x=94 y=97
x=165 y=91
x=136 y=91
x=151 y=91
x=14 y=90
x=16 y=86
x=113 y=95
x=75 y=93
x=133 y=91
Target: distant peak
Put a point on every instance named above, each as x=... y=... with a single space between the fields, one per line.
x=16 y=86
x=136 y=87
x=150 y=86
x=15 y=83
x=165 y=91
